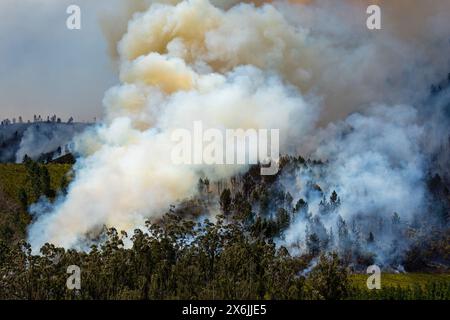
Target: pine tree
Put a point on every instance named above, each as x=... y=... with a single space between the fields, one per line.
x=225 y=201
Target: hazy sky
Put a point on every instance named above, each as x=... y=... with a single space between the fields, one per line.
x=46 y=68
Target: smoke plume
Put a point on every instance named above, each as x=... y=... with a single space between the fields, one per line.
x=337 y=91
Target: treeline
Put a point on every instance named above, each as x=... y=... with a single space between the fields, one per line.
x=269 y=208
x=178 y=258
x=184 y=256
x=36 y=118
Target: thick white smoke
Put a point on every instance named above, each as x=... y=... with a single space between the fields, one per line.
x=43 y=138
x=375 y=164
x=127 y=174
x=284 y=65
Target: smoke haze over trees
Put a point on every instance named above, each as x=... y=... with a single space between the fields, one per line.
x=364 y=120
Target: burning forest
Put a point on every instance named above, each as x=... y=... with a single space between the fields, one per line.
x=361 y=151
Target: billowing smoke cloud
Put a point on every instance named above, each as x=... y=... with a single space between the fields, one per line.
x=166 y=91
x=298 y=66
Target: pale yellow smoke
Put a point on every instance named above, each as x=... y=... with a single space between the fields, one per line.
x=199 y=33
x=177 y=66
x=229 y=65
x=322 y=47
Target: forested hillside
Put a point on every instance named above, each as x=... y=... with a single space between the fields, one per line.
x=236 y=254
x=21 y=185
x=40 y=140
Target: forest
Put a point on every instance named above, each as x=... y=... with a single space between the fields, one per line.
x=187 y=255
x=356 y=98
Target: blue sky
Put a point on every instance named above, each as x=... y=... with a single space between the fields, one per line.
x=46 y=68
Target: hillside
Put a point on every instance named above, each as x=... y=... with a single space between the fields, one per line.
x=14 y=179
x=240 y=242
x=39 y=140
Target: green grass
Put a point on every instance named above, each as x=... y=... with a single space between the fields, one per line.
x=408 y=286
x=13 y=218
x=14 y=176
x=402 y=280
